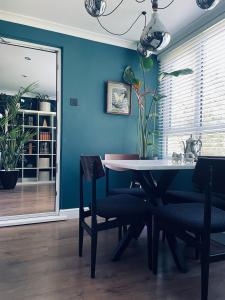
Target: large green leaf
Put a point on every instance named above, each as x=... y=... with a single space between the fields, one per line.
x=158 y=97
x=146 y=63
x=176 y=73
x=129 y=76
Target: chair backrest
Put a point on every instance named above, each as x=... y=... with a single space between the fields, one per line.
x=121 y=157
x=92 y=167
x=209 y=177
x=201 y=173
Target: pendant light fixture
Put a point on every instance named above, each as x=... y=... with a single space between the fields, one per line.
x=154 y=37
x=95 y=8
x=207 y=4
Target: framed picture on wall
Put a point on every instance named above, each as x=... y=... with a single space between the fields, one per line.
x=118 y=98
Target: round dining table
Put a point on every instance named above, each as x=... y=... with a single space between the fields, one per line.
x=154 y=189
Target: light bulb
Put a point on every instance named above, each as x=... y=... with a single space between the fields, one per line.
x=95 y=8
x=155 y=37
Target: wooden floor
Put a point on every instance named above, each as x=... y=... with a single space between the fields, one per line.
x=40 y=262
x=27 y=199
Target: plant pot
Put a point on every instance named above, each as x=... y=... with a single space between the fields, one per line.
x=45 y=106
x=9 y=179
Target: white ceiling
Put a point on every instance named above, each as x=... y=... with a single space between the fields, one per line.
x=40 y=69
x=178 y=16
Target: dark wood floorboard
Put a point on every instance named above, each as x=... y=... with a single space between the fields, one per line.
x=40 y=262
x=27 y=199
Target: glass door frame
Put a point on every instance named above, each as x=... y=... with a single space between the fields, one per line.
x=52 y=215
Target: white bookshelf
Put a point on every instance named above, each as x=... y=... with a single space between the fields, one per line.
x=38 y=162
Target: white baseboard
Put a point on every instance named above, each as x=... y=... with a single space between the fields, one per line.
x=72 y=213
x=64 y=214
x=32 y=220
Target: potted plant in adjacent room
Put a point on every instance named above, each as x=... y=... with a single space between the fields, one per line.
x=44 y=102
x=12 y=137
x=148 y=101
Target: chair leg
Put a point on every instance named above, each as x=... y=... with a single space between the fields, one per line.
x=178 y=257
x=81 y=238
x=93 y=253
x=155 y=247
x=124 y=229
x=123 y=244
x=205 y=252
x=120 y=233
x=149 y=240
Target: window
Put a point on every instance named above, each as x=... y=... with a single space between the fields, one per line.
x=194 y=104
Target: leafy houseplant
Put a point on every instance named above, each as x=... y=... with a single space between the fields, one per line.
x=148 y=100
x=44 y=102
x=12 y=137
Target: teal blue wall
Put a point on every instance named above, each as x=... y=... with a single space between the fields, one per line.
x=86 y=129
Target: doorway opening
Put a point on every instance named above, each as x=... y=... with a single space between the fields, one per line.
x=31 y=76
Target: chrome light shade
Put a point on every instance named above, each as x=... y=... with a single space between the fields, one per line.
x=155 y=37
x=142 y=51
x=207 y=4
x=95 y=8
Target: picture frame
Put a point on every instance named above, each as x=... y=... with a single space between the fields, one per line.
x=118 y=98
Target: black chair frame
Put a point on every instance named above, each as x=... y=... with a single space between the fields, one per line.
x=200 y=241
x=91 y=212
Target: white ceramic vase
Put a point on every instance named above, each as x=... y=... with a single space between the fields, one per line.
x=45 y=106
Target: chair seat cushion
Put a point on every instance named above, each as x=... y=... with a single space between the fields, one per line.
x=192 y=197
x=190 y=216
x=136 y=191
x=121 y=206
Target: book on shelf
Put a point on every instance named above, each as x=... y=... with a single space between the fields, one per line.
x=45 y=136
x=30 y=148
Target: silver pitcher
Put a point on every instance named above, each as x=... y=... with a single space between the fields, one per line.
x=192 y=149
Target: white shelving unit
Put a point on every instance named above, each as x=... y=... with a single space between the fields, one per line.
x=38 y=163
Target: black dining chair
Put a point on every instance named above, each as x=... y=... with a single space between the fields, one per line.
x=187 y=221
x=197 y=194
x=108 y=212
x=134 y=188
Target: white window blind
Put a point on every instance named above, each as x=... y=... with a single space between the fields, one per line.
x=194 y=104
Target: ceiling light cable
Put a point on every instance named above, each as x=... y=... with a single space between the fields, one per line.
x=155 y=37
x=168 y=5
x=111 y=12
x=125 y=32
x=118 y=5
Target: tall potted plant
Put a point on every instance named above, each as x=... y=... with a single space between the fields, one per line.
x=148 y=100
x=12 y=137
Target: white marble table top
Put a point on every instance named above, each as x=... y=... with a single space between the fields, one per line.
x=148 y=165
